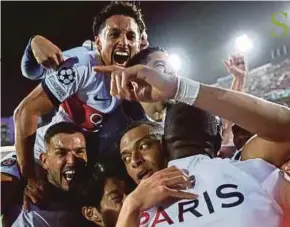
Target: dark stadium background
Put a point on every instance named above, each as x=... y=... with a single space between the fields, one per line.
x=201 y=32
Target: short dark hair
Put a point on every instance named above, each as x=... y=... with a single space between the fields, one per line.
x=107 y=167
x=61 y=127
x=91 y=190
x=157 y=129
x=142 y=56
x=118 y=8
x=188 y=122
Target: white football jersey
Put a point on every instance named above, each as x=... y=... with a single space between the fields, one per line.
x=231 y=193
x=83 y=96
x=76 y=85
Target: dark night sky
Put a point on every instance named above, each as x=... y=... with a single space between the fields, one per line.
x=202 y=32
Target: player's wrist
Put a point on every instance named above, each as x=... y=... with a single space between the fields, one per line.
x=133 y=203
x=187 y=90
x=239 y=75
x=174 y=83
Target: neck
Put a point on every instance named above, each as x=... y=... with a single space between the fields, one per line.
x=184 y=153
x=58 y=199
x=56 y=192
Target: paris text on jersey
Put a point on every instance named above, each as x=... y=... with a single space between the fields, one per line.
x=224 y=191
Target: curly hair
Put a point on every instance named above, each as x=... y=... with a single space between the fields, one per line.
x=118 y=8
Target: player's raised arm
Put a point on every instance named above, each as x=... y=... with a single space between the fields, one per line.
x=270 y=121
x=236 y=66
x=26 y=115
x=40 y=55
x=54 y=89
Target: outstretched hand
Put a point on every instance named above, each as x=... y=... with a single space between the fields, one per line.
x=236 y=66
x=46 y=53
x=139 y=83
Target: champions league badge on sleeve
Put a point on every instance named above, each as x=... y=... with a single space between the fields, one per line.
x=66 y=75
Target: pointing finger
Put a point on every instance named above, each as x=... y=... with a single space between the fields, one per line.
x=106 y=68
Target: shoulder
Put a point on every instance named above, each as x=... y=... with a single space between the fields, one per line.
x=70 y=70
x=190 y=162
x=83 y=56
x=41 y=218
x=81 y=64
x=257 y=168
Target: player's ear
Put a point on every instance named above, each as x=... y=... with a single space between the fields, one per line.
x=91 y=214
x=98 y=43
x=43 y=160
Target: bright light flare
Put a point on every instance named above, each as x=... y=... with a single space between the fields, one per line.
x=175 y=61
x=243 y=44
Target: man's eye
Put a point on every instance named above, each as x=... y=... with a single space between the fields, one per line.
x=81 y=151
x=131 y=36
x=160 y=68
x=144 y=146
x=61 y=153
x=115 y=34
x=160 y=65
x=126 y=159
x=116 y=198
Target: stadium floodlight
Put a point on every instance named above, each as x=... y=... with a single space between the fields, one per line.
x=243 y=43
x=175 y=61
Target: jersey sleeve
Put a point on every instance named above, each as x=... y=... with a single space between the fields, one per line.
x=9 y=165
x=266 y=174
x=66 y=81
x=272 y=183
x=29 y=66
x=34 y=71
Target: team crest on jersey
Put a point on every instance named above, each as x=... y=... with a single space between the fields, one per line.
x=8 y=162
x=66 y=75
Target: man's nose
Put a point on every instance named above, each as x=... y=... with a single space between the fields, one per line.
x=71 y=158
x=137 y=159
x=123 y=40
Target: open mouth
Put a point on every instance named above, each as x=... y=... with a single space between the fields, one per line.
x=121 y=57
x=69 y=175
x=144 y=174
